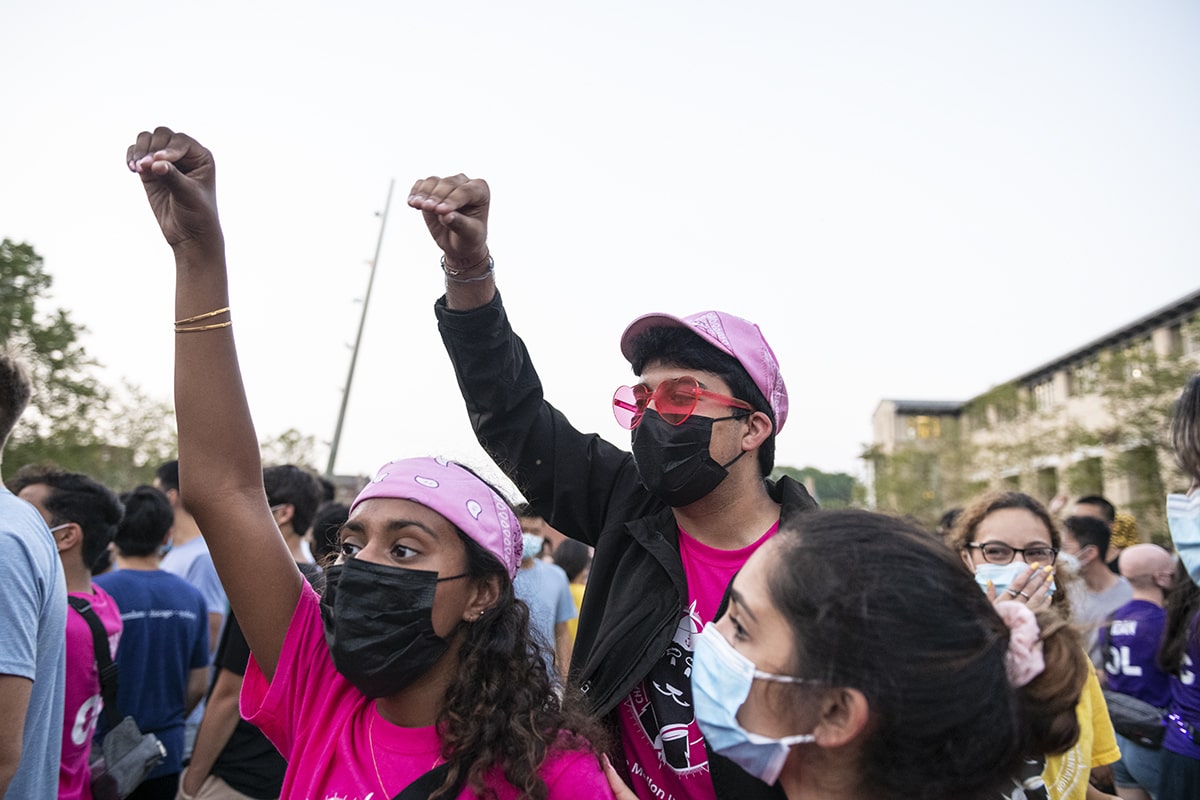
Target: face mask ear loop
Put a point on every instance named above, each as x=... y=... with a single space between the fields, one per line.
x=734 y=460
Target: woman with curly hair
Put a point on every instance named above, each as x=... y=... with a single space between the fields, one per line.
x=1011 y=544
x=413 y=675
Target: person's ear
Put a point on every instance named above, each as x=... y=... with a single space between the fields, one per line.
x=844 y=715
x=284 y=513
x=966 y=557
x=68 y=536
x=758 y=428
x=485 y=594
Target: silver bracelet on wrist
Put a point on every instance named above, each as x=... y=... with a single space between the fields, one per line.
x=452 y=274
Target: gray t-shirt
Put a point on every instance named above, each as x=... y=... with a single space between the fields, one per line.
x=33 y=640
x=1093 y=610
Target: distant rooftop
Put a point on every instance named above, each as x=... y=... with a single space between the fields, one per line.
x=1173 y=312
x=1168 y=314
x=927 y=406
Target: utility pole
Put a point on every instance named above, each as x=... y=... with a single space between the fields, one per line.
x=337 y=433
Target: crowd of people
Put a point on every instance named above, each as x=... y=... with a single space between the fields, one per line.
x=657 y=621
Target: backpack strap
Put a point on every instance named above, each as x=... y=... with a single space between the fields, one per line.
x=427 y=784
x=104 y=663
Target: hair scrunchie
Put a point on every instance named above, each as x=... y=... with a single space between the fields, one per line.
x=1024 y=660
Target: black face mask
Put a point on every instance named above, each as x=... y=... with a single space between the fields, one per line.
x=379 y=624
x=673 y=460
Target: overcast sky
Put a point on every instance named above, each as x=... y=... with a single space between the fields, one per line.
x=915 y=200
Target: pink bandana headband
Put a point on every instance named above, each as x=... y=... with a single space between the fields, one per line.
x=459 y=496
x=1024 y=660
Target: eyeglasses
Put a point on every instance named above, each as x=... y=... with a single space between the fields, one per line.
x=675 y=400
x=999 y=553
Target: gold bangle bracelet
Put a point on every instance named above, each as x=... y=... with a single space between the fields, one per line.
x=204 y=327
x=199 y=317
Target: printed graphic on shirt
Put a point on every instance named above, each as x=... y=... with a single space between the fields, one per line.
x=662 y=703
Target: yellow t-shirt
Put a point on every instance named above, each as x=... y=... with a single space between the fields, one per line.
x=577 y=594
x=1066 y=774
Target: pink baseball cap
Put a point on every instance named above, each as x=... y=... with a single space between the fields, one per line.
x=459 y=496
x=733 y=335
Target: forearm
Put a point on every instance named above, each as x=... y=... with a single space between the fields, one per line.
x=219 y=466
x=15 y=692
x=196 y=686
x=538 y=448
x=218 y=447
x=220 y=719
x=1095 y=794
x=562 y=648
x=214 y=631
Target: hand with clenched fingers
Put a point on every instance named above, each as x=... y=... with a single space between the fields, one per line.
x=179 y=177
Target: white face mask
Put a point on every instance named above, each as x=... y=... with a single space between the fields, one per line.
x=1069 y=561
x=721 y=681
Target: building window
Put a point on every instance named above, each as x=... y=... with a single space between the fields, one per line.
x=1189 y=336
x=1043 y=395
x=927 y=427
x=1047 y=483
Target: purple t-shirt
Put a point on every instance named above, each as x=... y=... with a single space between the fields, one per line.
x=1185 y=698
x=1130 y=649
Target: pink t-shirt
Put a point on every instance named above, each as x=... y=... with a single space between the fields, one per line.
x=343 y=748
x=664 y=749
x=83 y=702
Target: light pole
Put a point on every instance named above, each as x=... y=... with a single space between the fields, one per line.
x=337 y=433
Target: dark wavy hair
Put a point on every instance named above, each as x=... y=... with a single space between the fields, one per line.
x=880 y=604
x=1185 y=428
x=501 y=710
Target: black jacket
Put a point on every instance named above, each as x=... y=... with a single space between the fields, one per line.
x=588 y=489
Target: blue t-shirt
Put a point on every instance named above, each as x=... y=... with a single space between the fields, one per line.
x=165 y=637
x=33 y=640
x=546 y=590
x=1130 y=649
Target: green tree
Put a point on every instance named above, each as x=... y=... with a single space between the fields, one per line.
x=290 y=447
x=832 y=489
x=74 y=421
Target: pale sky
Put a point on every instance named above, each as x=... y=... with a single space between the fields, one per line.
x=915 y=200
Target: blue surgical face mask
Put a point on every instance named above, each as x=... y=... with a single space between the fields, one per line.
x=1002 y=575
x=1183 y=520
x=530 y=546
x=721 y=681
